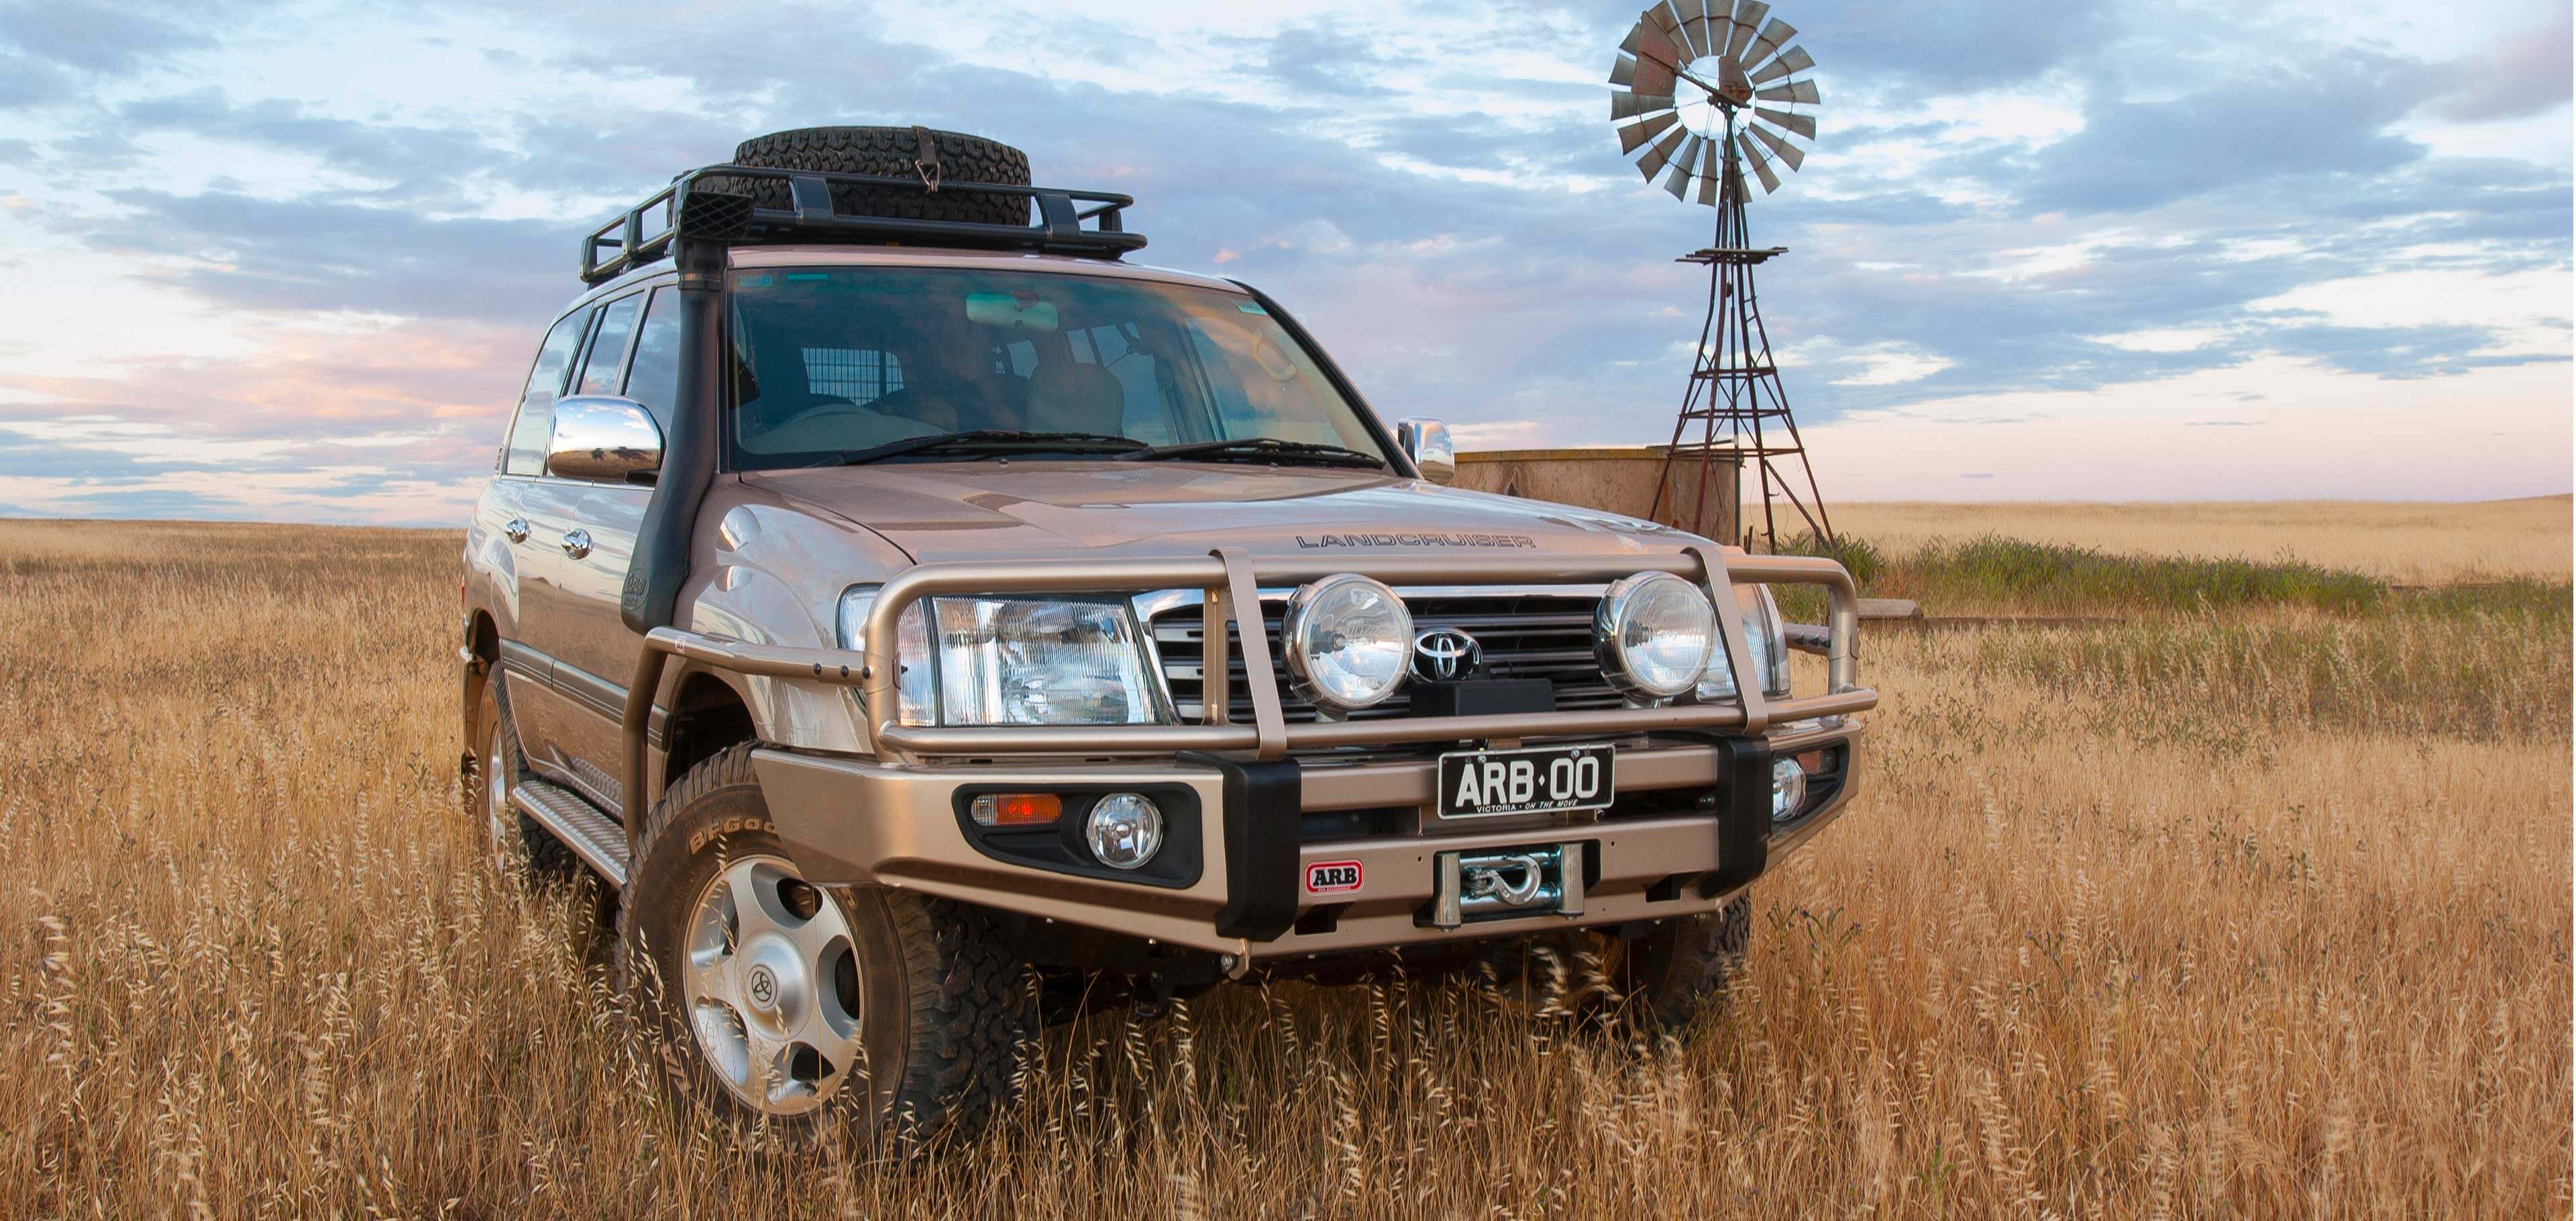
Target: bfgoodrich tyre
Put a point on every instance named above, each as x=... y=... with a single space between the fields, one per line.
x=1683 y=964
x=1661 y=978
x=783 y=1004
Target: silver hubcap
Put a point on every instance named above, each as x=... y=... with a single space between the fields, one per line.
x=772 y=981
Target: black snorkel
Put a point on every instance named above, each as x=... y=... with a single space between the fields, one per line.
x=703 y=222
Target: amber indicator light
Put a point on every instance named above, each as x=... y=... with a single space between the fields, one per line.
x=1016 y=809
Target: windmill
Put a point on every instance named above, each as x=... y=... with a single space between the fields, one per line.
x=1706 y=91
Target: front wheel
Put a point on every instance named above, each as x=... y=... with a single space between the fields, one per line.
x=1661 y=978
x=779 y=1003
x=1683 y=964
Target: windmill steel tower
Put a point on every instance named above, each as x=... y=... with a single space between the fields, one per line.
x=1734 y=409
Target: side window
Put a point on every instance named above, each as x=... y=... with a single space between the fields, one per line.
x=608 y=347
x=535 y=422
x=861 y=375
x=653 y=375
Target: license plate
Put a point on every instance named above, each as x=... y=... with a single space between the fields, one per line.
x=1532 y=780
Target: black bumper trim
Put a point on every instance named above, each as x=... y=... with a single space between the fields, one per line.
x=1743 y=814
x=1264 y=803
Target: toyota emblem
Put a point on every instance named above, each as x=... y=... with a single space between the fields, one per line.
x=1445 y=654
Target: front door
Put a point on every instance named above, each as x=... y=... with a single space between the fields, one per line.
x=576 y=564
x=595 y=652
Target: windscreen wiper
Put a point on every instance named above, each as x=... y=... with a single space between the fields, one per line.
x=989 y=441
x=1264 y=449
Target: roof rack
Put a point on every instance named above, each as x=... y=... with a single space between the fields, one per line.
x=693 y=209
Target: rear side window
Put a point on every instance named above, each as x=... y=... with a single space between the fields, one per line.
x=861 y=375
x=535 y=421
x=653 y=373
x=608 y=348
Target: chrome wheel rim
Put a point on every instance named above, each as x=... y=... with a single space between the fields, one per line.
x=500 y=818
x=771 y=979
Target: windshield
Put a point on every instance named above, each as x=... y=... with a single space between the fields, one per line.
x=828 y=361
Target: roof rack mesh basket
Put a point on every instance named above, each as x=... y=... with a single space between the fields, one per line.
x=686 y=209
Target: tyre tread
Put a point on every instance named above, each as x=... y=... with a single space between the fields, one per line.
x=969 y=1009
x=889 y=151
x=1686 y=962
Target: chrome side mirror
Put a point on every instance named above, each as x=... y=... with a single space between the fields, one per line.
x=1427 y=443
x=599 y=436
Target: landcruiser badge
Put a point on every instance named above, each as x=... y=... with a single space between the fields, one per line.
x=1332 y=877
x=1445 y=653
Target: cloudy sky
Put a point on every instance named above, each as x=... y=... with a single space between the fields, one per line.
x=289 y=261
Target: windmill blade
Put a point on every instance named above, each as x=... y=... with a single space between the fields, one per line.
x=1679 y=182
x=1660 y=19
x=1661 y=154
x=1793 y=60
x=1628 y=46
x=1631 y=137
x=1761 y=168
x=1626 y=106
x=1768 y=43
x=1699 y=28
x=1623 y=71
x=1708 y=174
x=1679 y=31
x=1794 y=91
x=1657 y=56
x=1803 y=124
x=1748 y=16
x=1780 y=148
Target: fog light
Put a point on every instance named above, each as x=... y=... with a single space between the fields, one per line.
x=1652 y=634
x=1016 y=809
x=1788 y=788
x=1125 y=830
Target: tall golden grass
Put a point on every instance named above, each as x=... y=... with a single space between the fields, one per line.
x=2420 y=543
x=2265 y=915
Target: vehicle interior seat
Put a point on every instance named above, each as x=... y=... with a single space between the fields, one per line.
x=1069 y=396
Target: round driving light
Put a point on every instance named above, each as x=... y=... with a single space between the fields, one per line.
x=1788 y=788
x=1125 y=830
x=1349 y=641
x=1652 y=634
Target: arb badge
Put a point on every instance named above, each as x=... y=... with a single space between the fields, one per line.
x=1332 y=877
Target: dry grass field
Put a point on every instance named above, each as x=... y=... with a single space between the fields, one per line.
x=2264 y=913
x=2408 y=542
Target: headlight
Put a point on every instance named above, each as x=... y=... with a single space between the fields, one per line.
x=1764 y=637
x=1348 y=639
x=915 y=685
x=1652 y=634
x=1016 y=661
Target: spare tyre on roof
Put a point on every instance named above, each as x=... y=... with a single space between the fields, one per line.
x=932 y=157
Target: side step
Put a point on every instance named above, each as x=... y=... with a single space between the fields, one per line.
x=594 y=837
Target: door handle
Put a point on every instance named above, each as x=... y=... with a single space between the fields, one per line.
x=576 y=543
x=516 y=528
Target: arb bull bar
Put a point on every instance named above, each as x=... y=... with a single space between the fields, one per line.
x=896 y=819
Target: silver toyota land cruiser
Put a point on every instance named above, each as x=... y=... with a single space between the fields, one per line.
x=911 y=608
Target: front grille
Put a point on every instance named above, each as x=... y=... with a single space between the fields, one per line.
x=1523 y=635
